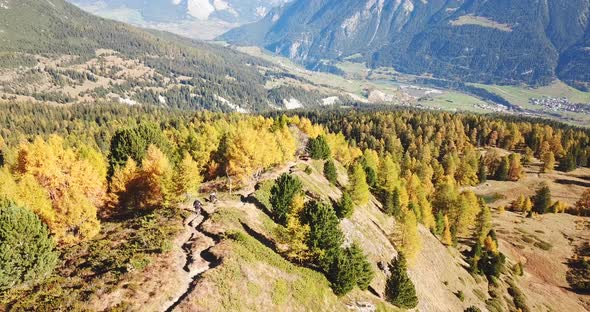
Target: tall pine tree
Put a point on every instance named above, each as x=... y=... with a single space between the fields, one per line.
x=399 y=289
x=542 y=199
x=330 y=172
x=325 y=234
x=282 y=193
x=318 y=148
x=503 y=169
x=482 y=172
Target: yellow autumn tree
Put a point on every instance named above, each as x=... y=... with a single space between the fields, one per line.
x=27 y=193
x=297 y=233
x=286 y=142
x=120 y=182
x=203 y=140
x=75 y=185
x=389 y=174
x=306 y=126
x=426 y=207
x=188 y=179
x=251 y=146
x=468 y=210
x=341 y=151
x=154 y=183
x=518 y=204
x=490 y=245
x=548 y=159
x=359 y=189
x=8 y=186
x=411 y=241
x=418 y=195
x=447 y=238
x=371 y=159
x=515 y=171
x=31 y=194
x=558 y=207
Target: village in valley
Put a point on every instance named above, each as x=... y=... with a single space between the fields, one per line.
x=560 y=104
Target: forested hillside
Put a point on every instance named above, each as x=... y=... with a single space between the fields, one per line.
x=496 y=42
x=104 y=191
x=142 y=171
x=53 y=51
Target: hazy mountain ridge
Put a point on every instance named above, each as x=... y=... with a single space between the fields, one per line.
x=473 y=40
x=192 y=18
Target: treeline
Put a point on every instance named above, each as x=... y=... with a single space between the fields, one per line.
x=93 y=125
x=409 y=133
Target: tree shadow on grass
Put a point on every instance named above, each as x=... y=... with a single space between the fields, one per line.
x=261 y=238
x=250 y=199
x=572 y=182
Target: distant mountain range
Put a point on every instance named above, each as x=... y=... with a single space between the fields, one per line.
x=193 y=18
x=489 y=41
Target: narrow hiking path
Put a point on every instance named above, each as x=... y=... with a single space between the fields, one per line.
x=196 y=243
x=199 y=259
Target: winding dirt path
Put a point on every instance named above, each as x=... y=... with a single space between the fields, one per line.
x=198 y=242
x=199 y=258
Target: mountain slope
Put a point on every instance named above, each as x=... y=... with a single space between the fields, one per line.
x=473 y=40
x=53 y=51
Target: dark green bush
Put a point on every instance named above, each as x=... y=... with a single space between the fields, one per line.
x=325 y=233
x=345 y=206
x=349 y=268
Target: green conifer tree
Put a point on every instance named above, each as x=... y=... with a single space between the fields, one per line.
x=27 y=252
x=542 y=199
x=503 y=169
x=399 y=289
x=345 y=206
x=318 y=148
x=482 y=172
x=281 y=196
x=325 y=234
x=330 y=172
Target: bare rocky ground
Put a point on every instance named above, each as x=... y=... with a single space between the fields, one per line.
x=543 y=244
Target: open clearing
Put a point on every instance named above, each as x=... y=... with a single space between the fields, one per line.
x=480 y=21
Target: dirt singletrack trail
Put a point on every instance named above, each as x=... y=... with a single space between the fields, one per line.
x=199 y=258
x=197 y=242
